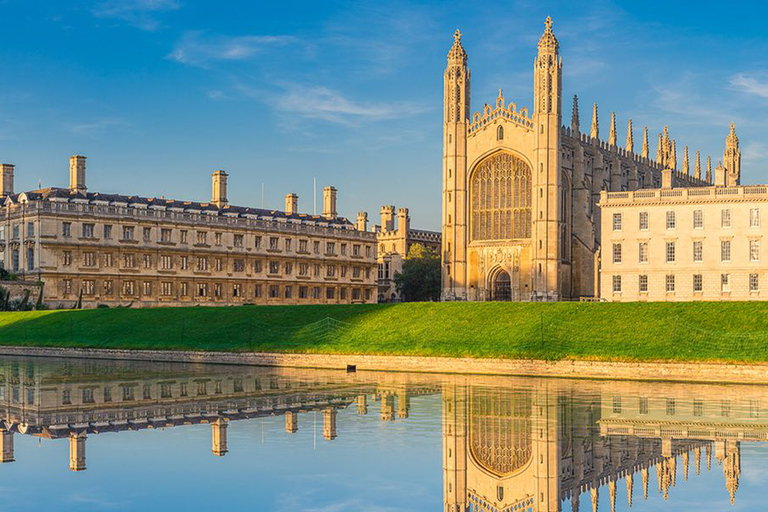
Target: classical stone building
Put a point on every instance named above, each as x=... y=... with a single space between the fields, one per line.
x=681 y=244
x=395 y=238
x=120 y=250
x=520 y=189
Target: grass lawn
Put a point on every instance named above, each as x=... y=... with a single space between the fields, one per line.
x=700 y=331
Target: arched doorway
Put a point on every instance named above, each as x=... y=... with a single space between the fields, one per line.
x=502 y=286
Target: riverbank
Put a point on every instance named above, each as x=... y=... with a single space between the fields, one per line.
x=631 y=332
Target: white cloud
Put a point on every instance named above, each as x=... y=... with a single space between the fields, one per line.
x=198 y=49
x=95 y=128
x=139 y=13
x=750 y=85
x=318 y=102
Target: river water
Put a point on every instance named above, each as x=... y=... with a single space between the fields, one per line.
x=117 y=435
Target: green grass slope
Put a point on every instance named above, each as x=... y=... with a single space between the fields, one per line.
x=701 y=331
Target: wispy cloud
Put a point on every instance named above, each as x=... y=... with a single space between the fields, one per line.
x=139 y=13
x=95 y=128
x=199 y=49
x=318 y=102
x=750 y=85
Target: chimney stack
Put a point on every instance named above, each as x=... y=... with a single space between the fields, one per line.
x=77 y=173
x=362 y=221
x=329 y=203
x=219 y=188
x=6 y=180
x=291 y=204
x=387 y=218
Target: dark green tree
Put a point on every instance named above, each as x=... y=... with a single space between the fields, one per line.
x=420 y=279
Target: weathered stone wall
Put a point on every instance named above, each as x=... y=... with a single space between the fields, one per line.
x=19 y=288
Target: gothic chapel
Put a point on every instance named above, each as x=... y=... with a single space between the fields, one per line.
x=520 y=190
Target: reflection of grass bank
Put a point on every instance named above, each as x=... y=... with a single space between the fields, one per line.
x=729 y=331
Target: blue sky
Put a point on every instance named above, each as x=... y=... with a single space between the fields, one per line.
x=159 y=93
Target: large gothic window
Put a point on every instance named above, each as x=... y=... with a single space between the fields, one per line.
x=501 y=199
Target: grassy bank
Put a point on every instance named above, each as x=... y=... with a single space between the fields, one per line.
x=655 y=331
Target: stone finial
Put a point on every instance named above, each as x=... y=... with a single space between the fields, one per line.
x=595 y=130
x=575 y=125
x=686 y=166
x=644 y=152
x=594 y=494
x=456 y=54
x=697 y=169
x=612 y=131
x=630 y=488
x=630 y=142
x=709 y=169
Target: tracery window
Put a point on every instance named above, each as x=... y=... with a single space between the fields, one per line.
x=501 y=199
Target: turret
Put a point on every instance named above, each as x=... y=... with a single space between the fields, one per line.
x=630 y=146
x=387 y=218
x=456 y=111
x=362 y=221
x=697 y=169
x=686 y=166
x=329 y=203
x=594 y=131
x=709 y=170
x=403 y=222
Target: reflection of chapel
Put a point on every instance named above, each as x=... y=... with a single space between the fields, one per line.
x=533 y=449
x=520 y=189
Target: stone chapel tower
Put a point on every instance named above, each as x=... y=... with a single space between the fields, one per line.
x=455 y=123
x=548 y=220
x=732 y=159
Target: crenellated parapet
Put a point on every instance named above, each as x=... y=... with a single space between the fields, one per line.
x=500 y=111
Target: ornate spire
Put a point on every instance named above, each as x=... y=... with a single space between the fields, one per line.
x=548 y=40
x=575 y=501
x=659 y=152
x=732 y=140
x=709 y=445
x=709 y=180
x=612 y=132
x=630 y=488
x=685 y=453
x=630 y=143
x=686 y=166
x=575 y=125
x=697 y=450
x=673 y=156
x=644 y=474
x=612 y=494
x=595 y=131
x=697 y=175
x=644 y=152
x=595 y=495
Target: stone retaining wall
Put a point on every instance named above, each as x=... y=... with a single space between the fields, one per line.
x=660 y=371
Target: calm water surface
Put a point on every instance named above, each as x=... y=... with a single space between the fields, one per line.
x=111 y=435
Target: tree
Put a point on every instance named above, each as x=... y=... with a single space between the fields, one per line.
x=420 y=279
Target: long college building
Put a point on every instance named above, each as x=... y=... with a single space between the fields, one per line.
x=120 y=250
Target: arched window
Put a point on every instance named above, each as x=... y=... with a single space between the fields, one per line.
x=500 y=133
x=501 y=199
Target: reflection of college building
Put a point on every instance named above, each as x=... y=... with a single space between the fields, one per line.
x=685 y=243
x=520 y=190
x=72 y=401
x=116 y=249
x=395 y=240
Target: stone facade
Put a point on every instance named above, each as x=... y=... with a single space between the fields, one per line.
x=120 y=250
x=520 y=189
x=684 y=244
x=395 y=238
